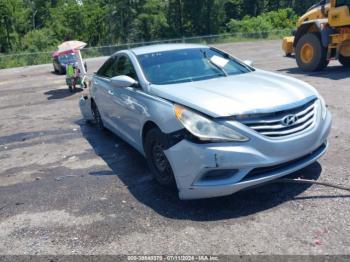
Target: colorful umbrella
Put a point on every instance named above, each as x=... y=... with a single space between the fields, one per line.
x=70 y=46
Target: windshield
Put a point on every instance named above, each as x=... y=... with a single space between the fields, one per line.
x=342 y=2
x=188 y=65
x=321 y=3
x=67 y=59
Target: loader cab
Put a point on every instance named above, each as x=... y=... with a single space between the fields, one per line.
x=317 y=11
x=320 y=4
x=339 y=14
x=339 y=3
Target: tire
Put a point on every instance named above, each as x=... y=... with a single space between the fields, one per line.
x=60 y=71
x=310 y=54
x=97 y=116
x=344 y=60
x=154 y=144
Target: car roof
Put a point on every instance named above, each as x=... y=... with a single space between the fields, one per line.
x=163 y=47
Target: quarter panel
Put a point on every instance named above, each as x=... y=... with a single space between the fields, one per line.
x=99 y=92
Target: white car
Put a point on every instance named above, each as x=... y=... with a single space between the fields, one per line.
x=206 y=122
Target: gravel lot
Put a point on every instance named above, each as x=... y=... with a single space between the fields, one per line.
x=66 y=188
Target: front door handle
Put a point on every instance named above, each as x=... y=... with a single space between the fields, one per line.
x=110 y=92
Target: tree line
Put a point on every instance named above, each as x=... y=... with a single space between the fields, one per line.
x=39 y=25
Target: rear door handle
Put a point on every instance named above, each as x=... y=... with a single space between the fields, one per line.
x=110 y=92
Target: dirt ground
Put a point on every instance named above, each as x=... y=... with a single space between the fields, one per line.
x=67 y=188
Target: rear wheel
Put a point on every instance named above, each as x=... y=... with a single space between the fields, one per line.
x=310 y=53
x=97 y=116
x=344 y=60
x=155 y=144
x=55 y=69
x=60 y=71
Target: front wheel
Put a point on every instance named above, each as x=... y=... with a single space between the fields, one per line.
x=310 y=54
x=344 y=60
x=155 y=144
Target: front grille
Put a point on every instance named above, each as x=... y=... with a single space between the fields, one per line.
x=273 y=124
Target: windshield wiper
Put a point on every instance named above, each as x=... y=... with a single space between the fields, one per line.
x=177 y=81
x=210 y=61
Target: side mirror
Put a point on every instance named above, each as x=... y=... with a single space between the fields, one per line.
x=123 y=81
x=249 y=63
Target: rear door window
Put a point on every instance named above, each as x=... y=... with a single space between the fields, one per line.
x=117 y=66
x=106 y=69
x=124 y=66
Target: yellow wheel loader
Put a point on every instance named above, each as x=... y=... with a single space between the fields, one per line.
x=322 y=34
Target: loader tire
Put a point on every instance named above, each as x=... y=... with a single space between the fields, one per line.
x=310 y=54
x=344 y=60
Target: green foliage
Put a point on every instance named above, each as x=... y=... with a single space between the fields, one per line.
x=274 y=20
x=67 y=20
x=150 y=24
x=13 y=23
x=39 y=40
x=40 y=25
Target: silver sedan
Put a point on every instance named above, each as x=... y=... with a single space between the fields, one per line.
x=207 y=123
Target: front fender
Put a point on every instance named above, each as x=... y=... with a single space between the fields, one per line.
x=310 y=27
x=161 y=112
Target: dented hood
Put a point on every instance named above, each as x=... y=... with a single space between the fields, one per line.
x=253 y=92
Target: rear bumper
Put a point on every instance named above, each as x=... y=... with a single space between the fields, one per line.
x=85 y=107
x=244 y=164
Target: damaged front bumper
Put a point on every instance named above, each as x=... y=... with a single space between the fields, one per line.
x=213 y=170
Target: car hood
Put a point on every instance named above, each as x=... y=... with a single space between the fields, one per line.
x=254 y=92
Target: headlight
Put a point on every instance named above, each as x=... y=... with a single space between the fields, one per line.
x=323 y=107
x=205 y=129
